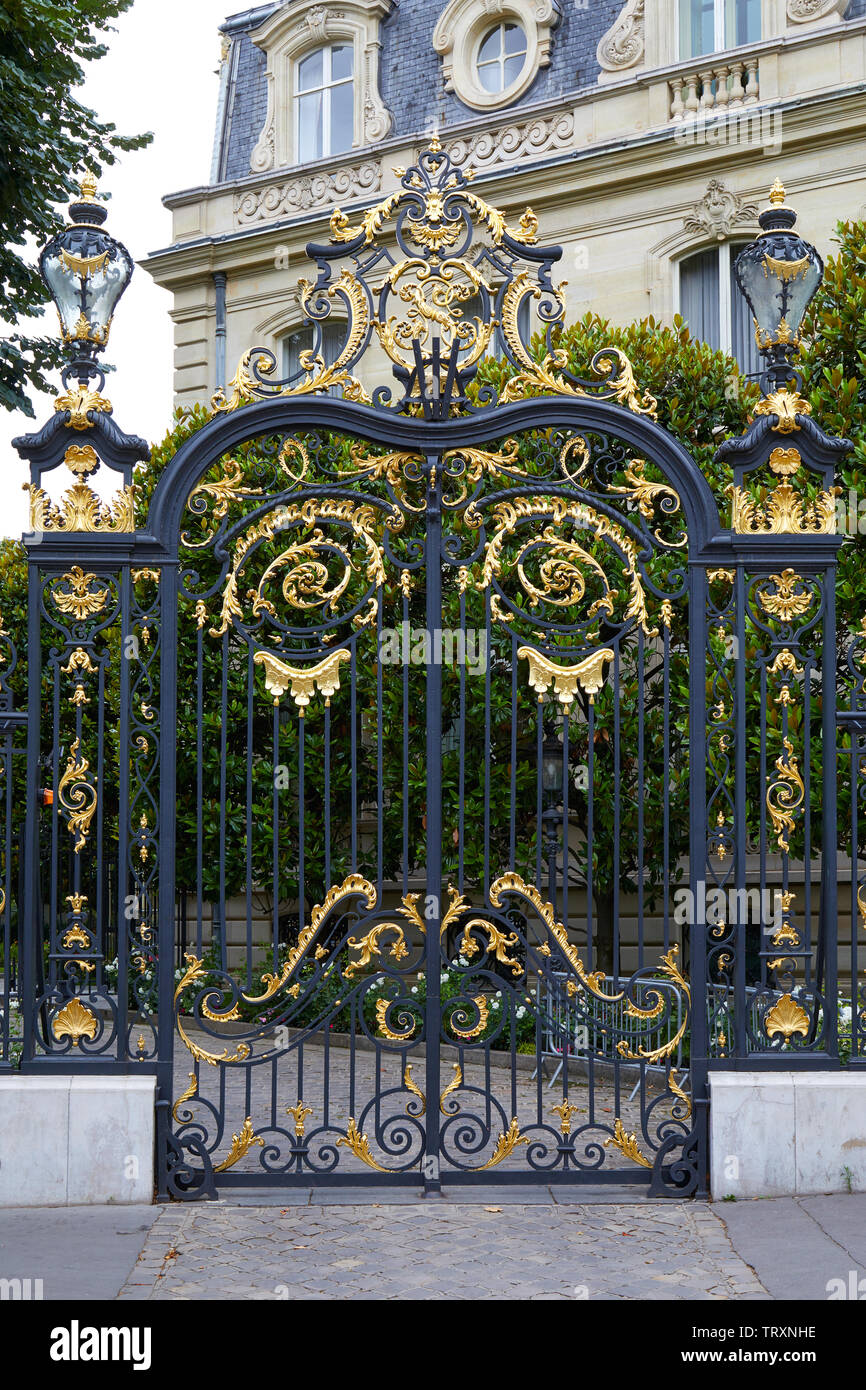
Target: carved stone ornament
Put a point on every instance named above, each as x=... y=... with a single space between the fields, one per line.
x=506 y=144
x=287 y=37
x=308 y=192
x=806 y=11
x=623 y=45
x=719 y=212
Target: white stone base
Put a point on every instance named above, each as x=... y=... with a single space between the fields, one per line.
x=76 y=1140
x=777 y=1134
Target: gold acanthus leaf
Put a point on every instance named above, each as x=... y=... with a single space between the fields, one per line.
x=352 y=886
x=627 y=1144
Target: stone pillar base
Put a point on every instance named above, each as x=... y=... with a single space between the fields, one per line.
x=76 y=1140
x=786 y=1133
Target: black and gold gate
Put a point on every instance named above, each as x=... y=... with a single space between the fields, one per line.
x=411 y=750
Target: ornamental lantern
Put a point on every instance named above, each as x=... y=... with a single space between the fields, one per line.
x=86 y=271
x=778 y=273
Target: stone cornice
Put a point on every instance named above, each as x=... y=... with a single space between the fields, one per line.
x=609 y=165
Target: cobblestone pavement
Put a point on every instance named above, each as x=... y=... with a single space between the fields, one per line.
x=492 y=1248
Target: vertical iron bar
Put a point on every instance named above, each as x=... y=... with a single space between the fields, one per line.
x=433 y=568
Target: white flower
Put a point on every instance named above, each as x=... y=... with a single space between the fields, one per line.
x=495 y=1004
x=443 y=978
x=414 y=989
x=454 y=963
x=463 y=962
x=499 y=994
x=520 y=1012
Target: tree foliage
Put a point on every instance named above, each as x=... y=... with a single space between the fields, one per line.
x=47 y=136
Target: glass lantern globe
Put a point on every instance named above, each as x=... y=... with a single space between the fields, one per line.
x=778 y=273
x=86 y=271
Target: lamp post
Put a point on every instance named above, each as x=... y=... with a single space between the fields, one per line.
x=778 y=273
x=87 y=271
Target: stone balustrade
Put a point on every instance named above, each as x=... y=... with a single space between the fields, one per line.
x=717 y=87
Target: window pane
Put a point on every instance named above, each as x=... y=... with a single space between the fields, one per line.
x=513 y=69
x=742 y=22
x=696 y=28
x=342 y=117
x=490 y=76
x=699 y=296
x=311 y=71
x=491 y=46
x=341 y=62
x=293 y=346
x=515 y=40
x=743 y=345
x=309 y=114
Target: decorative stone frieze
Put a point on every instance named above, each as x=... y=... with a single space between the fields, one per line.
x=307 y=192
x=508 y=144
x=719 y=212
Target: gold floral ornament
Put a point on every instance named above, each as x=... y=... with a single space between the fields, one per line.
x=505 y=1145
x=445 y=233
x=360 y=1146
x=785 y=406
x=195 y=972
x=81 y=402
x=79 y=599
x=627 y=1144
x=241 y=1144
x=784 y=512
x=791 y=597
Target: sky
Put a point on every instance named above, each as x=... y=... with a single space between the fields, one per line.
x=160 y=75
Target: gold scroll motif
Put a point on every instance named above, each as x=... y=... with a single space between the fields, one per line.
x=382 y=1008
x=304 y=680
x=453 y=1085
x=562 y=579
x=306 y=581
x=320 y=376
x=77 y=796
x=588 y=674
x=430 y=292
x=370 y=945
x=513 y=883
x=196 y=971
x=414 y=1088
x=188 y=1094
x=352 y=886
x=785 y=795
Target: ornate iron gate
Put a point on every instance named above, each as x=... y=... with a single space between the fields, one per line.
x=413 y=718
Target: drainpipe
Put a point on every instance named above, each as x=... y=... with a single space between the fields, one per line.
x=219 y=280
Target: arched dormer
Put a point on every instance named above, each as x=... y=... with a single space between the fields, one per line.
x=322 y=66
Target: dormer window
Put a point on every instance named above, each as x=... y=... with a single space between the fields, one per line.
x=712 y=26
x=325 y=102
x=501 y=57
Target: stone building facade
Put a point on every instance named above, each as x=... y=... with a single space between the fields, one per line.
x=644 y=135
